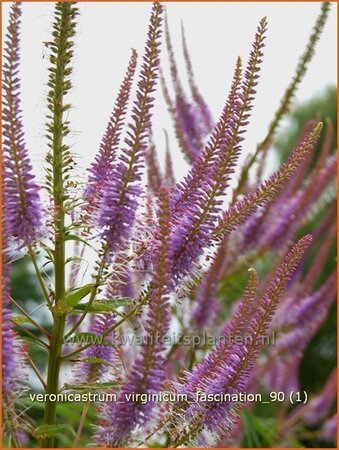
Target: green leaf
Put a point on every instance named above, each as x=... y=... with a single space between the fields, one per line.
x=74 y=237
x=44 y=431
x=107 y=305
x=72 y=298
x=21 y=320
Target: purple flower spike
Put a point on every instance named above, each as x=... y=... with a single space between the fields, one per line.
x=320 y=406
x=20 y=189
x=101 y=169
x=329 y=430
x=120 y=200
x=148 y=372
x=228 y=367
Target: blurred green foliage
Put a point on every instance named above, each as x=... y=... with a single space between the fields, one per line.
x=321 y=107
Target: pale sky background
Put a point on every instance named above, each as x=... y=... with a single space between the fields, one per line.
x=216 y=34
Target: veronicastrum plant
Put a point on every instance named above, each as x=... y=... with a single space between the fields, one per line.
x=165 y=250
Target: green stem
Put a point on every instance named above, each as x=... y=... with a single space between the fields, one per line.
x=56 y=340
x=81 y=425
x=54 y=363
x=30 y=334
x=38 y=273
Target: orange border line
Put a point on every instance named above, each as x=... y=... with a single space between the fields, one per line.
x=150 y=1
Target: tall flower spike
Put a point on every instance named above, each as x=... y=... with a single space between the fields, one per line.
x=187 y=191
x=193 y=233
x=234 y=366
x=20 y=189
x=300 y=71
x=120 y=200
x=59 y=159
x=235 y=327
x=147 y=374
x=101 y=169
x=241 y=210
x=204 y=110
x=237 y=109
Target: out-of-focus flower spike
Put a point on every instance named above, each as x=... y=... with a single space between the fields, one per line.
x=325 y=223
x=304 y=320
x=311 y=277
x=239 y=212
x=204 y=109
x=120 y=200
x=13 y=365
x=328 y=431
x=169 y=172
x=187 y=191
x=101 y=353
x=21 y=192
x=173 y=64
x=101 y=169
x=316 y=186
x=184 y=143
x=187 y=120
x=153 y=171
x=319 y=407
x=206 y=304
x=147 y=373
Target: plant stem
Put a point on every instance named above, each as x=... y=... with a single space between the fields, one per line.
x=32 y=255
x=30 y=334
x=56 y=340
x=81 y=425
x=54 y=363
x=36 y=371
x=33 y=322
